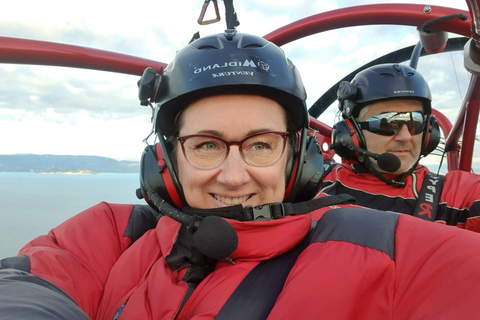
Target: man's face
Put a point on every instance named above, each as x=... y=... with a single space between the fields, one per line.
x=403 y=144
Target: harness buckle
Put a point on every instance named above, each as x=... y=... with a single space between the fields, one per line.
x=267 y=211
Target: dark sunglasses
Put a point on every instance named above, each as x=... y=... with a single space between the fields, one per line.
x=389 y=124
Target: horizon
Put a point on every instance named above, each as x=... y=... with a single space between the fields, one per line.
x=60 y=155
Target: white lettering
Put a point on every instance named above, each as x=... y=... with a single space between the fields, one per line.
x=229 y=64
x=232 y=73
x=249 y=64
x=429 y=197
x=432 y=188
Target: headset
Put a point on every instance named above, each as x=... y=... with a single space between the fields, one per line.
x=170 y=91
x=303 y=176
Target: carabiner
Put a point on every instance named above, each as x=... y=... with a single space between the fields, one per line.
x=204 y=10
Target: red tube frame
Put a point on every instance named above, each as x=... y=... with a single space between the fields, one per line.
x=23 y=51
x=392 y=14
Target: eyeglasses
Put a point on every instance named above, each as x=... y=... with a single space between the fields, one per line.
x=389 y=124
x=208 y=152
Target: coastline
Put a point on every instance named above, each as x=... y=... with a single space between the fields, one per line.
x=76 y=172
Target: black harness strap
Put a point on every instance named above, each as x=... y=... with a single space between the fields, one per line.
x=429 y=197
x=279 y=210
x=255 y=297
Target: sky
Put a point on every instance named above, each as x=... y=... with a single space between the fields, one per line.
x=57 y=110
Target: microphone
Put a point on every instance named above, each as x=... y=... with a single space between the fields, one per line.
x=213 y=236
x=386 y=161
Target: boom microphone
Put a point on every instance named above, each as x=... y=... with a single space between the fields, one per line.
x=216 y=238
x=213 y=236
x=386 y=161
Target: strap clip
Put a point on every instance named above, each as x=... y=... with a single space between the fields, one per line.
x=267 y=211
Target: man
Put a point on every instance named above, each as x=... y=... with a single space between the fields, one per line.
x=387 y=112
x=220 y=240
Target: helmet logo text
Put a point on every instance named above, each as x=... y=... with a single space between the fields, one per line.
x=403 y=91
x=232 y=73
x=247 y=63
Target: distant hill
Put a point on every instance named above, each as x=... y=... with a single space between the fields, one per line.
x=55 y=163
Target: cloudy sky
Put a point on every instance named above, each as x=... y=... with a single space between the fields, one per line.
x=56 y=110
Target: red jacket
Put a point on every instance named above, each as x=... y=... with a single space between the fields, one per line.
x=459 y=203
x=360 y=264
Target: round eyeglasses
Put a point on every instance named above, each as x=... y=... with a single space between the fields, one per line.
x=259 y=149
x=389 y=124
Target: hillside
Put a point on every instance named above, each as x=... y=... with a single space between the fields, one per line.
x=56 y=163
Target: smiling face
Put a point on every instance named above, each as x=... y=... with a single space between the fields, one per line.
x=232 y=118
x=405 y=146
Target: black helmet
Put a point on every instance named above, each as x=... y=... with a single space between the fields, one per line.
x=228 y=63
x=224 y=64
x=383 y=82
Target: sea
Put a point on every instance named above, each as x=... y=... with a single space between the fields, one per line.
x=33 y=203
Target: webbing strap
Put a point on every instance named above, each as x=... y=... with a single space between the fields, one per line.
x=429 y=197
x=255 y=297
x=279 y=210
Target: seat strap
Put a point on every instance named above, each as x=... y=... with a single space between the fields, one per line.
x=429 y=197
x=255 y=297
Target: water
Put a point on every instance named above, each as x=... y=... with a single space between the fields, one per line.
x=31 y=203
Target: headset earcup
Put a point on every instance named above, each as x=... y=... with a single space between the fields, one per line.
x=154 y=170
x=311 y=176
x=431 y=136
x=344 y=133
x=307 y=176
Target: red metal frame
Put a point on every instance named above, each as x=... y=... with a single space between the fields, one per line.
x=22 y=51
x=392 y=14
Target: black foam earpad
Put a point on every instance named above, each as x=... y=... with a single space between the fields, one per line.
x=307 y=173
x=292 y=165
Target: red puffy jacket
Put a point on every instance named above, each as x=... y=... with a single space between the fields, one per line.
x=359 y=264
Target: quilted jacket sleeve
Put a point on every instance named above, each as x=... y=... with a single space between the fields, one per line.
x=77 y=256
x=24 y=296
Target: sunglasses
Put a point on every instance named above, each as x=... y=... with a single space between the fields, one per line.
x=389 y=124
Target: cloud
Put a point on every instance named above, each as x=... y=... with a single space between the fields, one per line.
x=40 y=88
